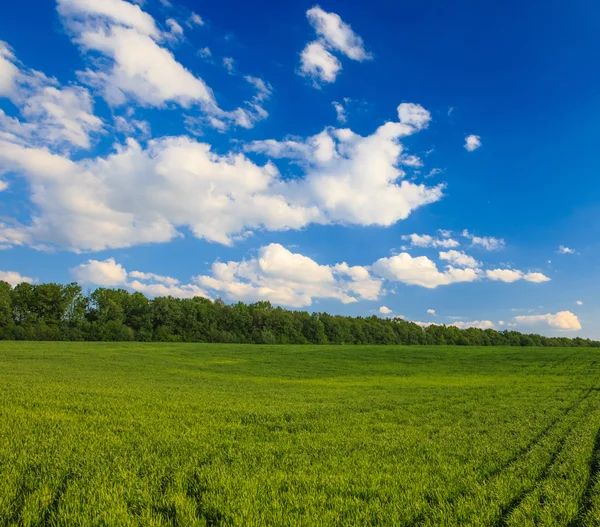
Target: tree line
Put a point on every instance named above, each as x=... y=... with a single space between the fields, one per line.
x=64 y=312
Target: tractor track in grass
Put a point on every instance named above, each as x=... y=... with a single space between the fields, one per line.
x=594 y=468
x=516 y=501
x=513 y=504
x=522 y=452
x=585 y=504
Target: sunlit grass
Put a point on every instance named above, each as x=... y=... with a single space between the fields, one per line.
x=187 y=434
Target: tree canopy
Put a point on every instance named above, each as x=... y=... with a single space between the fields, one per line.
x=64 y=312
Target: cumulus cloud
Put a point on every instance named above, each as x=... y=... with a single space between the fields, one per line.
x=488 y=243
x=431 y=311
x=167 y=280
x=3 y=185
x=318 y=64
x=14 y=278
x=504 y=275
x=138 y=195
x=414 y=115
x=158 y=288
x=472 y=142
x=579 y=303
x=355 y=179
x=385 y=310
x=276 y=274
x=145 y=194
x=535 y=277
x=316 y=60
x=459 y=258
x=421 y=271
x=53 y=115
x=137 y=66
x=479 y=324
x=512 y=275
x=289 y=279
x=565 y=250
x=9 y=72
x=563 y=320
x=107 y=273
x=337 y=34
x=425 y=240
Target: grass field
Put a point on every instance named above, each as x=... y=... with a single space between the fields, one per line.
x=149 y=434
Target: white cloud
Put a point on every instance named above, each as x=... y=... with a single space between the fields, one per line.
x=205 y=52
x=115 y=11
x=479 y=324
x=459 y=258
x=142 y=195
x=316 y=59
x=340 y=112
x=3 y=185
x=317 y=63
x=434 y=172
x=167 y=280
x=54 y=115
x=563 y=320
x=425 y=240
x=354 y=179
x=501 y=322
x=536 y=277
x=63 y=115
x=431 y=311
x=504 y=275
x=228 y=63
x=175 y=30
x=336 y=34
x=579 y=303
x=472 y=142
x=411 y=161
x=107 y=273
x=489 y=243
x=142 y=70
x=423 y=324
x=195 y=20
x=414 y=115
x=138 y=195
x=512 y=275
x=385 y=310
x=565 y=250
x=137 y=67
x=14 y=278
x=154 y=289
x=421 y=271
x=12 y=236
x=132 y=127
x=289 y=279
x=9 y=72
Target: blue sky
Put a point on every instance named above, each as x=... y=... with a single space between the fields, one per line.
x=429 y=160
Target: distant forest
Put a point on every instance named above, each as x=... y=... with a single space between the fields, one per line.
x=64 y=312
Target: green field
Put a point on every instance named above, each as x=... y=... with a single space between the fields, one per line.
x=185 y=434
